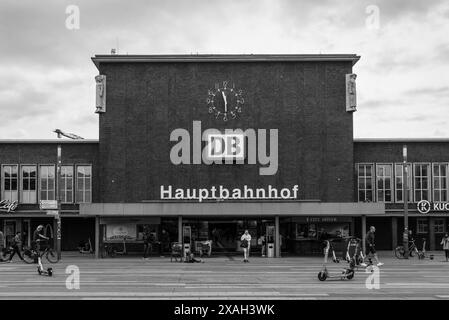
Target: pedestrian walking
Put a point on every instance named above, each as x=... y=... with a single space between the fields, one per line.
x=16 y=246
x=371 y=246
x=146 y=242
x=445 y=244
x=246 y=244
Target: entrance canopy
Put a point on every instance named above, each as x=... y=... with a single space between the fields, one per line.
x=233 y=209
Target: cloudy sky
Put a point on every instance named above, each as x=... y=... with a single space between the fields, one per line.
x=47 y=78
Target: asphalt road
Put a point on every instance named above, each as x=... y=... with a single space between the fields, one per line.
x=223 y=278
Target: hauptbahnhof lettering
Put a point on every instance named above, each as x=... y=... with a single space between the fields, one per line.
x=292 y=112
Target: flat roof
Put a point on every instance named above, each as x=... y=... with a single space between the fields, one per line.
x=359 y=140
x=111 y=58
x=400 y=140
x=55 y=141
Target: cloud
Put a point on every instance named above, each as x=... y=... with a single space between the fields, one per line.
x=46 y=76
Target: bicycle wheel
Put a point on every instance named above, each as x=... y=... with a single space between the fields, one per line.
x=4 y=255
x=52 y=256
x=28 y=256
x=399 y=252
x=411 y=252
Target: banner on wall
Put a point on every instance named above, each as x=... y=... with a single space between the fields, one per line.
x=127 y=231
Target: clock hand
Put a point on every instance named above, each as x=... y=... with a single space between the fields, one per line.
x=225 y=101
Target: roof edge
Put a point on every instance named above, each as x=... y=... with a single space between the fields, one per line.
x=53 y=141
x=410 y=140
x=108 y=58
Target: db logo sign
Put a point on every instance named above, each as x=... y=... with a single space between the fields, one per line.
x=226 y=146
x=423 y=206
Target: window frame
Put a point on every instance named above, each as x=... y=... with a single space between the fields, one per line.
x=447 y=181
x=39 y=181
x=409 y=177
x=76 y=182
x=391 y=181
x=21 y=183
x=73 y=166
x=2 y=189
x=426 y=223
x=373 y=183
x=429 y=177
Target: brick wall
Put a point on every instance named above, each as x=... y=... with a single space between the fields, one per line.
x=46 y=154
x=304 y=100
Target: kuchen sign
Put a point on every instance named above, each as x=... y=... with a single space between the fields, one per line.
x=8 y=206
x=425 y=206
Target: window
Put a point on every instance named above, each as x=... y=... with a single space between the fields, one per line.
x=66 y=187
x=439 y=225
x=439 y=182
x=422 y=226
x=83 y=184
x=47 y=182
x=399 y=179
x=421 y=181
x=28 y=184
x=384 y=178
x=10 y=182
x=365 y=182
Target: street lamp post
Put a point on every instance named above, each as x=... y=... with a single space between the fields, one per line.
x=58 y=199
x=405 y=187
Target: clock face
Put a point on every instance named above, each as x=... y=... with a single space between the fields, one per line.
x=225 y=101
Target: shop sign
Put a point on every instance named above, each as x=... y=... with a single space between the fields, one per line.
x=425 y=206
x=321 y=219
x=8 y=206
x=48 y=204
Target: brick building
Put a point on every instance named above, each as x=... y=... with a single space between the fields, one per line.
x=307 y=178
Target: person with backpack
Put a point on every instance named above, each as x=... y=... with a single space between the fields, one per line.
x=445 y=244
x=16 y=246
x=246 y=243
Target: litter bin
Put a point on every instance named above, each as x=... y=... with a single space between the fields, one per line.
x=270 y=250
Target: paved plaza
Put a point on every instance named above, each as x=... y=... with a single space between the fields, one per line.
x=223 y=278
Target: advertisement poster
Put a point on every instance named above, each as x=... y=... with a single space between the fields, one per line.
x=121 y=231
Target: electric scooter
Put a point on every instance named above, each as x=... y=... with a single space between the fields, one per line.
x=347 y=273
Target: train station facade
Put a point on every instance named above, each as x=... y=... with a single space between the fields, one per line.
x=202 y=147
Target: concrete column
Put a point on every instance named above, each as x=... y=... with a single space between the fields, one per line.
x=364 y=233
x=97 y=237
x=180 y=229
x=431 y=234
x=277 y=238
x=394 y=232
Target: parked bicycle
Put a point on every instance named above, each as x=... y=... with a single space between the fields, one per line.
x=413 y=249
x=112 y=250
x=5 y=254
x=30 y=255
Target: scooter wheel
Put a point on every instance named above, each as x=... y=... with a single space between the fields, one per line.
x=349 y=274
x=352 y=264
x=322 y=276
x=50 y=272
